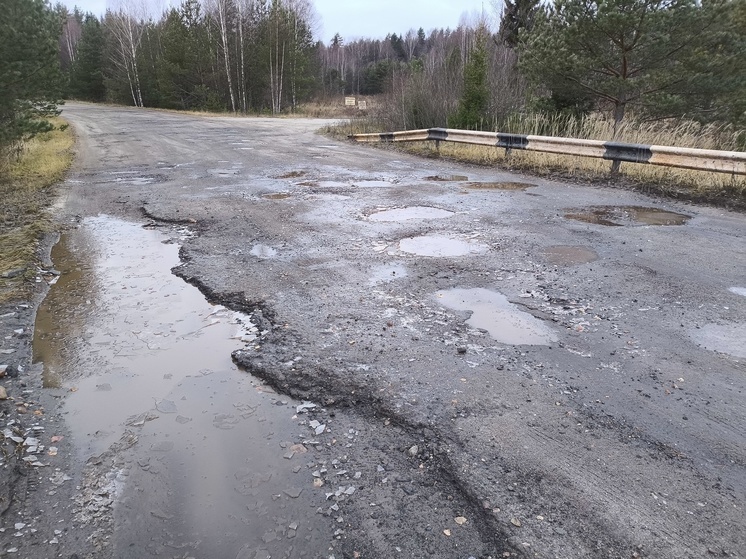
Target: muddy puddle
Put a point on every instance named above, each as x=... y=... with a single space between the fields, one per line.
x=412 y=212
x=723 y=338
x=291 y=175
x=446 y=178
x=499 y=185
x=442 y=246
x=504 y=321
x=563 y=255
x=219 y=468
x=617 y=216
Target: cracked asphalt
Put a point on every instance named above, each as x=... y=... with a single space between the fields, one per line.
x=511 y=374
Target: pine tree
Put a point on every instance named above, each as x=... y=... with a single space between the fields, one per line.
x=30 y=77
x=87 y=76
x=518 y=15
x=623 y=53
x=475 y=99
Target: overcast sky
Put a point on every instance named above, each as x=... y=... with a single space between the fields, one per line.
x=361 y=18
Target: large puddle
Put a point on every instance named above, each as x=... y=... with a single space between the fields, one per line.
x=504 y=321
x=412 y=212
x=440 y=245
x=627 y=215
x=140 y=350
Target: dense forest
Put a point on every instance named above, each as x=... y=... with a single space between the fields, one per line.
x=654 y=59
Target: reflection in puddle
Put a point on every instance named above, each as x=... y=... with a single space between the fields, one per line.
x=627 y=215
x=414 y=212
x=738 y=290
x=440 y=245
x=724 y=338
x=569 y=255
x=387 y=273
x=210 y=473
x=499 y=185
x=491 y=311
x=263 y=251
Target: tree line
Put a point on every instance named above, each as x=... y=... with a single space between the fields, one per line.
x=654 y=59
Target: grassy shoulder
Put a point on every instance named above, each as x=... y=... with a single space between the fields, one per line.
x=683 y=184
x=26 y=192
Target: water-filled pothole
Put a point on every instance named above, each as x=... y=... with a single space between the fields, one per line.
x=499 y=185
x=373 y=183
x=140 y=350
x=263 y=251
x=504 y=321
x=291 y=175
x=447 y=178
x=412 y=212
x=387 y=273
x=569 y=255
x=627 y=215
x=724 y=338
x=440 y=245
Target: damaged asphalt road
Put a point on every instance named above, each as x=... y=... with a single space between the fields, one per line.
x=502 y=366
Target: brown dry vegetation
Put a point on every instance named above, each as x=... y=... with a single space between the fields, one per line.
x=26 y=191
x=696 y=186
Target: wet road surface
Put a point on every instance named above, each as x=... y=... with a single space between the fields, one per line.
x=548 y=370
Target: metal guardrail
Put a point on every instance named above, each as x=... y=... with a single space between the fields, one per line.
x=733 y=162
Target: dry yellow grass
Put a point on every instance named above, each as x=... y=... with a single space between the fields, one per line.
x=679 y=183
x=26 y=190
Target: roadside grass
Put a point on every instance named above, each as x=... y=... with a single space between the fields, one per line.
x=697 y=186
x=26 y=191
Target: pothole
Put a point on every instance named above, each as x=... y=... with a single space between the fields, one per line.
x=440 y=245
x=277 y=196
x=387 y=273
x=224 y=172
x=499 y=185
x=412 y=212
x=627 y=215
x=291 y=175
x=214 y=469
x=263 y=251
x=504 y=321
x=724 y=338
x=569 y=255
x=373 y=184
x=446 y=178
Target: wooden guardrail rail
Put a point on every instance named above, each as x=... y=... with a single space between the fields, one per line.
x=733 y=162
